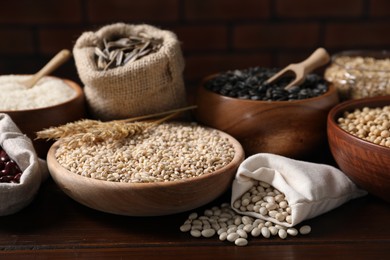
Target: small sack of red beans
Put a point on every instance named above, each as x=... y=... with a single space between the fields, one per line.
x=21 y=171
x=9 y=170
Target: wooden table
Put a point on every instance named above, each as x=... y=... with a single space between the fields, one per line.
x=56 y=227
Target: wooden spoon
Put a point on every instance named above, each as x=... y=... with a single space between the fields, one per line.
x=53 y=64
x=318 y=58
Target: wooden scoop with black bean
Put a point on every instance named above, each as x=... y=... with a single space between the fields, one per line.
x=318 y=58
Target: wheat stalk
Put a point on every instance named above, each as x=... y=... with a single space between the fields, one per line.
x=92 y=131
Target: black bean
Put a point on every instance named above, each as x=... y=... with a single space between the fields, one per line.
x=250 y=84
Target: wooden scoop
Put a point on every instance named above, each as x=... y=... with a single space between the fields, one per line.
x=53 y=64
x=318 y=58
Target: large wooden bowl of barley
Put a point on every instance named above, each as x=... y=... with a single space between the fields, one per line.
x=174 y=167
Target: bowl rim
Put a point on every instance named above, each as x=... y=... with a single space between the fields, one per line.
x=376 y=54
x=76 y=87
x=331 y=91
x=348 y=106
x=239 y=156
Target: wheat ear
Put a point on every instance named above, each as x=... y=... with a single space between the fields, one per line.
x=87 y=130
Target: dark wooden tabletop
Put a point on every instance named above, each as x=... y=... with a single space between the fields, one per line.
x=54 y=226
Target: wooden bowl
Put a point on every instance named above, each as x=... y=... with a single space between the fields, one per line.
x=290 y=128
x=365 y=163
x=33 y=120
x=145 y=199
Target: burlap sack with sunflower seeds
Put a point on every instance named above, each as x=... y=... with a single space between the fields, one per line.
x=16 y=196
x=151 y=84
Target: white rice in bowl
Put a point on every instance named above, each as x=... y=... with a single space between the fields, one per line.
x=48 y=91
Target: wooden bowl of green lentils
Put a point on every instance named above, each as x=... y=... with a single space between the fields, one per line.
x=359 y=139
x=170 y=168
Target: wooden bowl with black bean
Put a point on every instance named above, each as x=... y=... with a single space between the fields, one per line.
x=359 y=139
x=267 y=118
x=170 y=168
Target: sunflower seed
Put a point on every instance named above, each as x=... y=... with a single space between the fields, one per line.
x=100 y=53
x=120 y=51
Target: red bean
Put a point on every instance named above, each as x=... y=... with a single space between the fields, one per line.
x=9 y=170
x=3 y=156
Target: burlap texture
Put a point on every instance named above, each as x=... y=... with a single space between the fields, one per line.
x=151 y=84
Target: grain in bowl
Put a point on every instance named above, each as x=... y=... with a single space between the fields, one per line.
x=48 y=91
x=167 y=152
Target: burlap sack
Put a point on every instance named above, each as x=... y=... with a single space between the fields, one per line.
x=151 y=84
x=16 y=196
x=310 y=188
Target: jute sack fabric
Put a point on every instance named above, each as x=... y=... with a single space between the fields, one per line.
x=311 y=189
x=16 y=196
x=151 y=84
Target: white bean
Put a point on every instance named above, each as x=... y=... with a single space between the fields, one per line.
x=223 y=219
x=265 y=232
x=248 y=228
x=185 y=228
x=246 y=220
x=263 y=211
x=242 y=233
x=304 y=230
x=196 y=233
x=280 y=217
x=208 y=212
x=223 y=236
x=232 y=229
x=217 y=212
x=196 y=227
x=272 y=213
x=197 y=222
x=221 y=230
x=225 y=215
x=245 y=202
x=283 y=204
x=208 y=232
x=292 y=231
x=273 y=230
x=193 y=216
x=216 y=226
x=271 y=206
x=232 y=237
x=256 y=232
x=241 y=242
x=237 y=220
x=282 y=233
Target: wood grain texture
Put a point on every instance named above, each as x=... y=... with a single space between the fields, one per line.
x=146 y=199
x=289 y=128
x=56 y=227
x=366 y=163
x=33 y=120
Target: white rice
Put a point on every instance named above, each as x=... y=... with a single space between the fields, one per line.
x=47 y=92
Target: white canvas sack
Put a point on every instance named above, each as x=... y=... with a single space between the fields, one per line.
x=311 y=189
x=16 y=196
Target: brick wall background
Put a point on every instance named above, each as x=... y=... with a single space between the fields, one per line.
x=216 y=35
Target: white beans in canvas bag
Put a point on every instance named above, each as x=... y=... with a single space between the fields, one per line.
x=151 y=84
x=16 y=196
x=311 y=189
